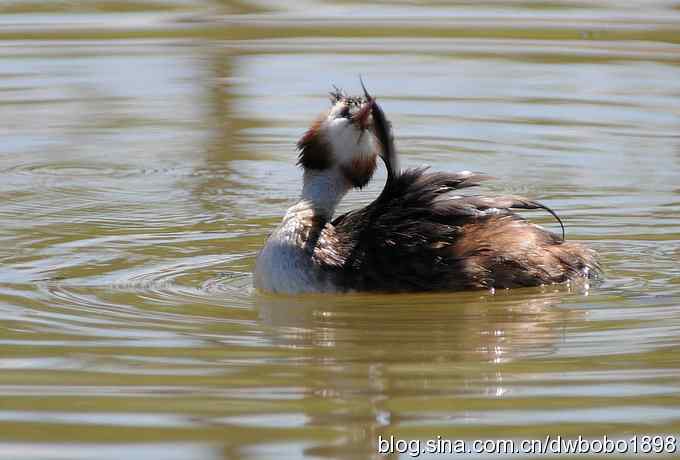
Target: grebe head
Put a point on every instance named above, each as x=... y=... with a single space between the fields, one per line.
x=342 y=139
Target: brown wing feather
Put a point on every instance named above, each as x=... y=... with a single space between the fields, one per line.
x=417 y=237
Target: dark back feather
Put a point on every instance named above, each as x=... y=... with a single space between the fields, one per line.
x=418 y=236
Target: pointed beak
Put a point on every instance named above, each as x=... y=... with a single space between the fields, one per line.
x=362 y=117
x=383 y=131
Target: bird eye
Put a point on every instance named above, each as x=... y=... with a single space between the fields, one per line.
x=345 y=112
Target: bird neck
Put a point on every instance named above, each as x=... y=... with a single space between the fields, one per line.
x=322 y=192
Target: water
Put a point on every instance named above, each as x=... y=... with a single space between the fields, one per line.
x=148 y=149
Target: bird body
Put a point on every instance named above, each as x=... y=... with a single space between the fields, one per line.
x=418 y=235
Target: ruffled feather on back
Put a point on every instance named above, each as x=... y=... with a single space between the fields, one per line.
x=420 y=236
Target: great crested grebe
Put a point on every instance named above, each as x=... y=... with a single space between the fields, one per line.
x=416 y=236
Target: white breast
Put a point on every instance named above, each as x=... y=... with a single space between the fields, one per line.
x=282 y=266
